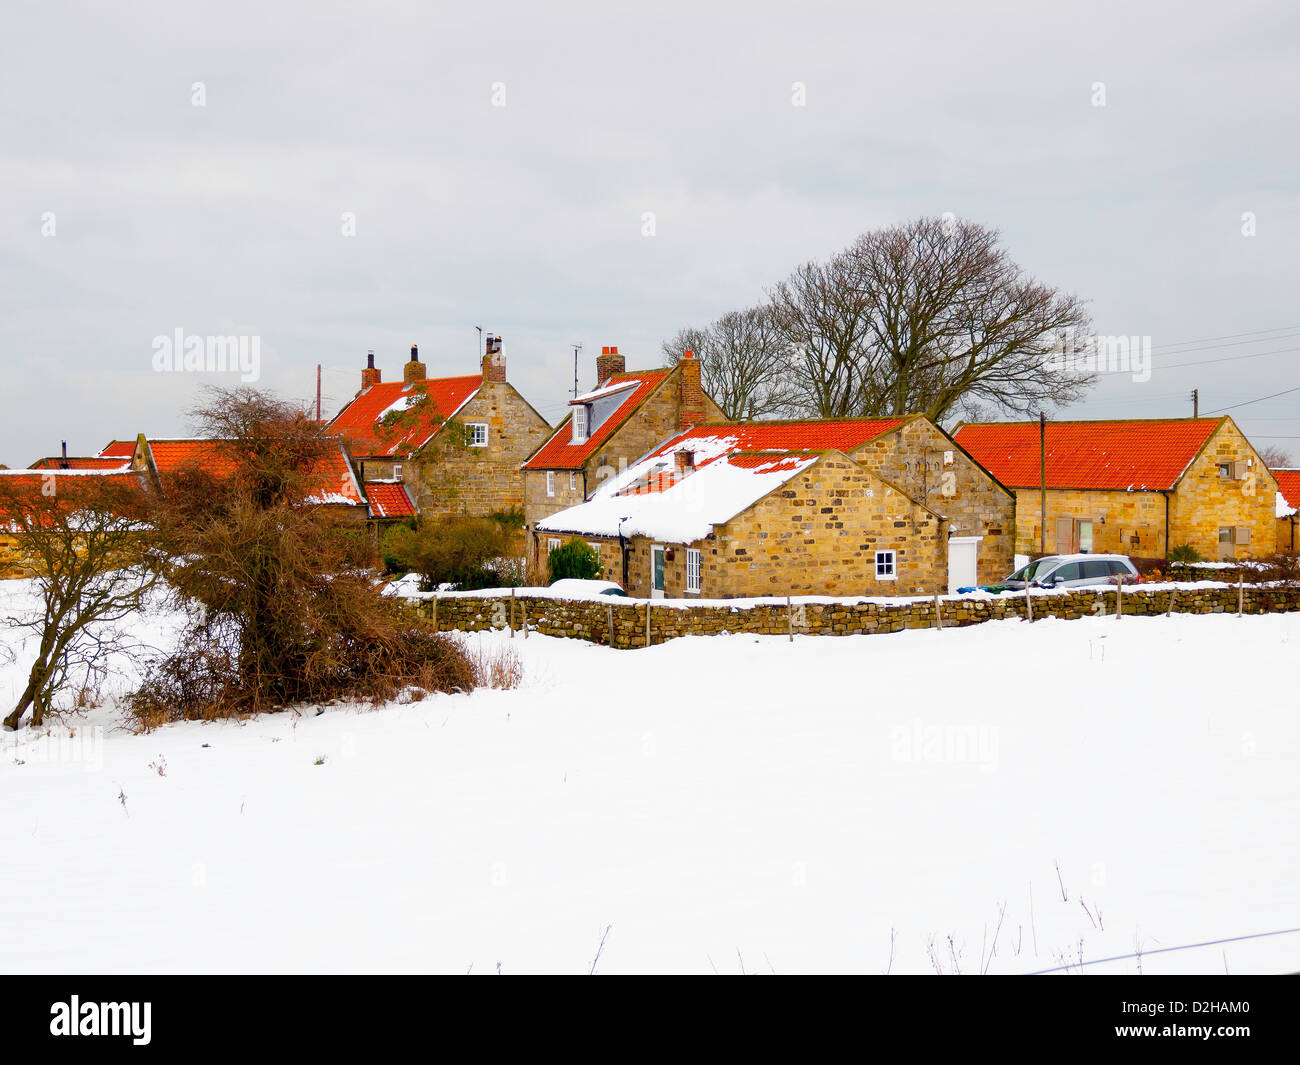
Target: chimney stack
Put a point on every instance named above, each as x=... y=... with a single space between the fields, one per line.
x=685 y=461
x=370 y=376
x=414 y=370
x=608 y=363
x=691 y=409
x=494 y=360
x=64 y=463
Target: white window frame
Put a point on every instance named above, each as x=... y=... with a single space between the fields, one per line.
x=397 y=471
x=551 y=544
x=890 y=558
x=580 y=427
x=693 y=569
x=550 y=482
x=474 y=428
x=573 y=481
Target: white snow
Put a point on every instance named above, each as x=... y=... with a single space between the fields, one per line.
x=686 y=511
x=720 y=802
x=1281 y=509
x=608 y=390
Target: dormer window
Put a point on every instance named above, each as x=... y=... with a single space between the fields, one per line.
x=580 y=414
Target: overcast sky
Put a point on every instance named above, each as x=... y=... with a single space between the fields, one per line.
x=527 y=219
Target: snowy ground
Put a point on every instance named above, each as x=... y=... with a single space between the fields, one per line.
x=722 y=803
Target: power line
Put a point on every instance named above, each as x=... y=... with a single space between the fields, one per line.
x=1230 y=336
x=1247 y=403
x=1164 y=950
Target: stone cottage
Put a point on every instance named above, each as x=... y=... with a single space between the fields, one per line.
x=1136 y=486
x=456 y=443
x=804 y=507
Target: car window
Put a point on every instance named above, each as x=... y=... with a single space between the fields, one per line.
x=1116 y=566
x=1068 y=572
x=1097 y=568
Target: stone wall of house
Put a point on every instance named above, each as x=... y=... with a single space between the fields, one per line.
x=622 y=623
x=479 y=480
x=11 y=559
x=818 y=534
x=1288 y=536
x=1206 y=501
x=923 y=461
x=1123 y=523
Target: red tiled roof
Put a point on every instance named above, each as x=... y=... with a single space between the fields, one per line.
x=840 y=434
x=389 y=499
x=1288 y=483
x=119 y=449
x=560 y=453
x=1126 y=455
x=56 y=462
x=338 y=485
x=359 y=422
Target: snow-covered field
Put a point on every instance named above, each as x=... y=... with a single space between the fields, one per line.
x=722 y=803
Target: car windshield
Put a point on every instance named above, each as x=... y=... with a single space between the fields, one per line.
x=1034 y=570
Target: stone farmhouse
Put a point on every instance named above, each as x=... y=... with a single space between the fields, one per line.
x=1134 y=487
x=850 y=507
x=1287 y=510
x=624 y=417
x=455 y=443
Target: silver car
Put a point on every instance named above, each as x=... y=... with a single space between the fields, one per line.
x=1072 y=571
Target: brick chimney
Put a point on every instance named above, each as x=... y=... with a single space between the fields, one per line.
x=494 y=360
x=685 y=461
x=414 y=370
x=691 y=411
x=370 y=376
x=608 y=363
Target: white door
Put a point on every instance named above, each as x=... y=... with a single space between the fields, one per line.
x=656 y=573
x=963 y=562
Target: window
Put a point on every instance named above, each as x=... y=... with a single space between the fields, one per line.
x=550 y=482
x=1098 y=569
x=886 y=566
x=573 y=481
x=397 y=471
x=478 y=434
x=580 y=423
x=1071 y=571
x=552 y=544
x=692 y=569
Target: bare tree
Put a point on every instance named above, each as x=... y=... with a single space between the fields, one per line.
x=1276 y=457
x=742 y=357
x=84 y=542
x=931 y=316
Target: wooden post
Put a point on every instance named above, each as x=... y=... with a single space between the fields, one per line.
x=647 y=622
x=1029 y=605
x=938 y=613
x=511 y=623
x=1170 y=612
x=610 y=608
x=1241 y=591
x=525 y=621
x=435 y=611
x=1119 y=597
x=1042 y=486
x=789 y=619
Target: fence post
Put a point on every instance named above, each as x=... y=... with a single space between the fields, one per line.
x=647 y=622
x=938 y=613
x=435 y=611
x=1119 y=598
x=525 y=621
x=1241 y=591
x=511 y=623
x=789 y=619
x=610 y=608
x=1170 y=612
x=1029 y=605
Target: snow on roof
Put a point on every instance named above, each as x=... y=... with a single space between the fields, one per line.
x=654 y=498
x=608 y=390
x=1288 y=496
x=560 y=452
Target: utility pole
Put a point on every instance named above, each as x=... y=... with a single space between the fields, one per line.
x=1042 y=483
x=318 y=372
x=1196 y=402
x=480 y=340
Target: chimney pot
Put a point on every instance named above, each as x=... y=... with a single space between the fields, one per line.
x=415 y=353
x=494 y=360
x=609 y=363
x=370 y=376
x=414 y=370
x=685 y=460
